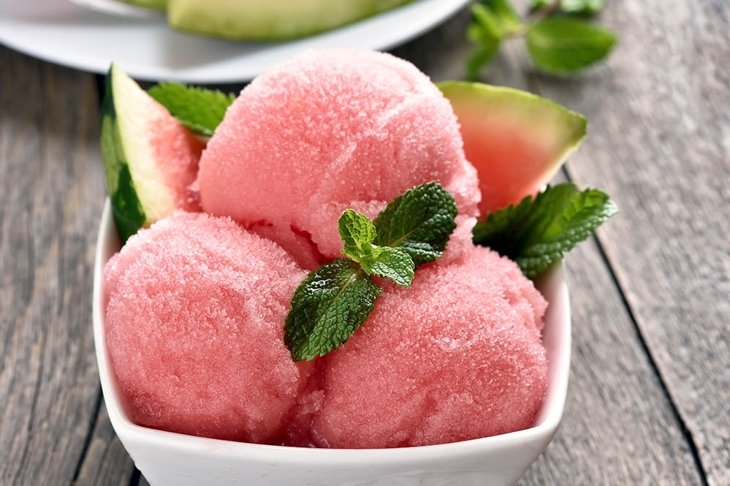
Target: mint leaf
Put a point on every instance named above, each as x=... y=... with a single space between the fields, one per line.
x=492 y=21
x=199 y=109
x=419 y=222
x=486 y=21
x=487 y=47
x=333 y=301
x=392 y=263
x=565 y=45
x=327 y=308
x=358 y=233
x=538 y=232
x=582 y=7
x=503 y=14
x=536 y=5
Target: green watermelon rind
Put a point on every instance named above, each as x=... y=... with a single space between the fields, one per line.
x=565 y=128
x=138 y=187
x=129 y=215
x=255 y=20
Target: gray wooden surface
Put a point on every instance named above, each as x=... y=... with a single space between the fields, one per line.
x=650 y=383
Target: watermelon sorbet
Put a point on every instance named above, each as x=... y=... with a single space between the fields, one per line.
x=330 y=130
x=194 y=313
x=195 y=306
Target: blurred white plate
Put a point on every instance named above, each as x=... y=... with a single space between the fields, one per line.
x=65 y=33
x=116 y=7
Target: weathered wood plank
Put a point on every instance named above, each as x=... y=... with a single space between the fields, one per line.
x=619 y=425
x=50 y=194
x=106 y=462
x=660 y=144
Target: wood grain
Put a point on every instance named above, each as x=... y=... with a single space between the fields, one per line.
x=619 y=425
x=106 y=462
x=50 y=194
x=660 y=144
x=650 y=380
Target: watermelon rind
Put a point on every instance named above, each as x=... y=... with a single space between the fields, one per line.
x=136 y=187
x=516 y=140
x=270 y=20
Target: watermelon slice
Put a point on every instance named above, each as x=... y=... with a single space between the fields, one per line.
x=150 y=158
x=270 y=20
x=517 y=141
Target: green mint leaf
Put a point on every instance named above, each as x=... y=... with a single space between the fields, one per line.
x=565 y=45
x=502 y=12
x=537 y=232
x=581 y=7
x=486 y=48
x=358 y=233
x=199 y=109
x=392 y=263
x=487 y=21
x=327 y=308
x=335 y=300
x=496 y=17
x=536 y=5
x=419 y=222
x=492 y=21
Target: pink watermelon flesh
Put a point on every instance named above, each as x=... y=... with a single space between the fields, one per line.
x=510 y=165
x=517 y=141
x=177 y=153
x=150 y=158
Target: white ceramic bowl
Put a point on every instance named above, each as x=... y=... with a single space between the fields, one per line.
x=167 y=458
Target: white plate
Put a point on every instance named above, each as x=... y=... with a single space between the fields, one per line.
x=115 y=7
x=65 y=33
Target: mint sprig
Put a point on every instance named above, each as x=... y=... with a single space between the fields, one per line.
x=391 y=263
x=358 y=234
x=199 y=109
x=538 y=231
x=336 y=299
x=419 y=222
x=327 y=308
x=559 y=36
x=567 y=45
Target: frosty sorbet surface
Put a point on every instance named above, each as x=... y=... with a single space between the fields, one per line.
x=194 y=312
x=457 y=356
x=330 y=130
x=195 y=306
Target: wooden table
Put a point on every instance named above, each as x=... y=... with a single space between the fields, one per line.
x=650 y=386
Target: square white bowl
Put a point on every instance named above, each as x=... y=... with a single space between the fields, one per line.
x=167 y=458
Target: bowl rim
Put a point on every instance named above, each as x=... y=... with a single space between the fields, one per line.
x=547 y=421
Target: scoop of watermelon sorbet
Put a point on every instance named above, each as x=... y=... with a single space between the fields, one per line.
x=194 y=327
x=457 y=356
x=329 y=130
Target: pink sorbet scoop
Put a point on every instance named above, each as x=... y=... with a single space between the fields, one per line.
x=194 y=322
x=458 y=356
x=329 y=130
